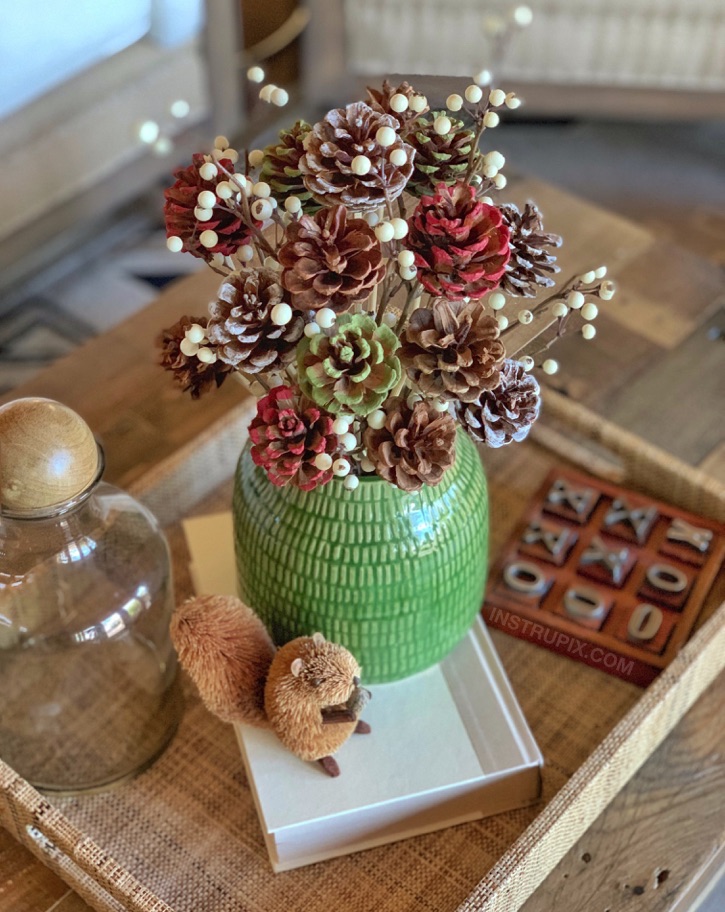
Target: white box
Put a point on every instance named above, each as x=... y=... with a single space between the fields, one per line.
x=447 y=745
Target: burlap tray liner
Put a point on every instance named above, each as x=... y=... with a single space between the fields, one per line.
x=184 y=836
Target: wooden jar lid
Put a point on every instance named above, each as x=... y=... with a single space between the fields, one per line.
x=48 y=455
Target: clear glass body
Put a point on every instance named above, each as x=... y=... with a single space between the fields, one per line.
x=87 y=669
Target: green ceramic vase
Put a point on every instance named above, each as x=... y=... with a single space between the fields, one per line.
x=395 y=577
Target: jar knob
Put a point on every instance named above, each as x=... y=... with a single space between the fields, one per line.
x=48 y=455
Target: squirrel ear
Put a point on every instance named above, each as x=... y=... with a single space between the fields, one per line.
x=318 y=639
x=297 y=667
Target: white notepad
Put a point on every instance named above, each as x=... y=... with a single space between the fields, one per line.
x=447 y=745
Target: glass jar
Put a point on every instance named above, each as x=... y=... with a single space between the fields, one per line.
x=87 y=669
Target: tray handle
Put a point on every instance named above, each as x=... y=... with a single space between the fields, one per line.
x=625 y=458
x=68 y=852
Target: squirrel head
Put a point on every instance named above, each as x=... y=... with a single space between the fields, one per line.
x=326 y=672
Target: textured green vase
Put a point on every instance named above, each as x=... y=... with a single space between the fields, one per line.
x=395 y=577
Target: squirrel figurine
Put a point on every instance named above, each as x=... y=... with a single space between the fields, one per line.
x=308 y=690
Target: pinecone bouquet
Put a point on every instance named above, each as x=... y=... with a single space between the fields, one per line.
x=368 y=268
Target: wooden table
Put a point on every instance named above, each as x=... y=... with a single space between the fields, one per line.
x=657 y=367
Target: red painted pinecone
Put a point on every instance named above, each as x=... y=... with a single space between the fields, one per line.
x=281 y=166
x=415 y=446
x=452 y=350
x=241 y=327
x=379 y=100
x=461 y=245
x=531 y=265
x=330 y=261
x=506 y=413
x=335 y=141
x=193 y=375
x=181 y=200
x=287 y=436
x=439 y=158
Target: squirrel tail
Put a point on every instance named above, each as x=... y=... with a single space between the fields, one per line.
x=227 y=652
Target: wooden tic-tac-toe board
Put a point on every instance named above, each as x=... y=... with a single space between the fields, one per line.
x=605 y=576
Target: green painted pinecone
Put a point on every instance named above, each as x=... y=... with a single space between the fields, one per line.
x=439 y=159
x=280 y=168
x=352 y=370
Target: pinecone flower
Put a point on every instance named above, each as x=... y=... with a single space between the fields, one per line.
x=281 y=170
x=461 y=244
x=506 y=413
x=193 y=375
x=439 y=159
x=181 y=200
x=330 y=261
x=379 y=100
x=530 y=265
x=287 y=436
x=241 y=326
x=414 y=447
x=452 y=350
x=354 y=369
x=331 y=146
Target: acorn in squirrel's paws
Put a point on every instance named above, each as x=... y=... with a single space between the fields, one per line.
x=308 y=691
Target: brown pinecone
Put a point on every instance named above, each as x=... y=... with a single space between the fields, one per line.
x=452 y=350
x=330 y=261
x=530 y=266
x=379 y=100
x=335 y=141
x=181 y=221
x=189 y=372
x=241 y=324
x=280 y=168
x=506 y=413
x=439 y=158
x=414 y=447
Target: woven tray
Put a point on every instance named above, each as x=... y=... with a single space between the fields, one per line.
x=184 y=836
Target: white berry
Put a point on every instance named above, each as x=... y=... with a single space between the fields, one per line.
x=348 y=442
x=406 y=258
x=255 y=74
x=195 y=333
x=400 y=228
x=351 y=482
x=245 y=253
x=312 y=329
x=208 y=171
x=398 y=157
x=376 y=419
x=483 y=77
x=361 y=165
x=281 y=314
x=525 y=317
x=206 y=199
x=384 y=232
x=527 y=362
x=224 y=190
x=494 y=158
x=589 y=331
x=208 y=238
x=221 y=142
x=408 y=273
x=265 y=93
x=600 y=272
x=386 y=136
x=279 y=97
x=588 y=277
x=390 y=318
x=454 y=102
x=366 y=465
x=188 y=347
x=512 y=101
x=523 y=16
x=474 y=94
x=206 y=356
x=607 y=291
x=398 y=103
x=575 y=300
x=500 y=181
x=496 y=97
x=255 y=158
x=262 y=190
x=491 y=119
x=503 y=322
x=341 y=467
x=341 y=424
x=497 y=300
x=261 y=209
x=560 y=309
x=590 y=311
x=323 y=461
x=442 y=125
x=325 y=317
x=550 y=366
x=372 y=218
x=203 y=215
x=174 y=244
